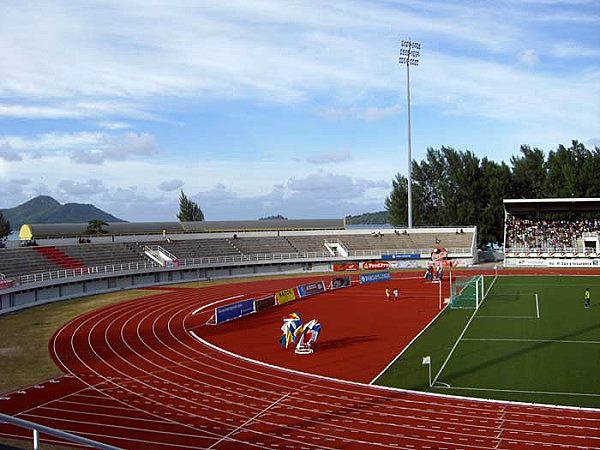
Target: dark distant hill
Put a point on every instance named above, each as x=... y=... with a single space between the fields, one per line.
x=45 y=209
x=376 y=218
x=277 y=217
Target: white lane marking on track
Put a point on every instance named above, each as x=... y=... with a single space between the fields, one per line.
x=203 y=307
x=250 y=420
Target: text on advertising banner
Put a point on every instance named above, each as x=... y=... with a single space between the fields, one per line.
x=234 y=310
x=305 y=290
x=284 y=296
x=375 y=276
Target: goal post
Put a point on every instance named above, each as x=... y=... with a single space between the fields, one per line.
x=467 y=292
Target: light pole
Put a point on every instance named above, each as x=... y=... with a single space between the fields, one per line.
x=409 y=55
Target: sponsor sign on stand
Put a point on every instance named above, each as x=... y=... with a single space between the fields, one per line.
x=348 y=267
x=375 y=265
x=373 y=277
x=234 y=310
x=401 y=256
x=264 y=303
x=305 y=290
x=573 y=263
x=554 y=262
x=525 y=262
x=284 y=296
x=404 y=264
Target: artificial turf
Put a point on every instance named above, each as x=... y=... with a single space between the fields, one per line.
x=514 y=348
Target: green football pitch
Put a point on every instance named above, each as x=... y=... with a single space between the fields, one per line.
x=531 y=340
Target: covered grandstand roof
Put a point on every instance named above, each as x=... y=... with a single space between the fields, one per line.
x=59 y=230
x=551 y=205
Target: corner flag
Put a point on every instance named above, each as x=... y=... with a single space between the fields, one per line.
x=426 y=360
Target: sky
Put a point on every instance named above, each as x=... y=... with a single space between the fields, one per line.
x=265 y=107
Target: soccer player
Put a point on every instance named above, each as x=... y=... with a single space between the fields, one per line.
x=586 y=297
x=387 y=293
x=395 y=293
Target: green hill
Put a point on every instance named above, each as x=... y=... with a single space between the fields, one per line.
x=376 y=218
x=44 y=209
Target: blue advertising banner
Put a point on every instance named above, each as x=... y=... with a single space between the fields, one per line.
x=401 y=256
x=234 y=310
x=375 y=276
x=311 y=288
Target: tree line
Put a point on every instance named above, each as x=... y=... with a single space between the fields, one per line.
x=452 y=187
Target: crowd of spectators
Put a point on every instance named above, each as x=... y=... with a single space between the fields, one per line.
x=547 y=234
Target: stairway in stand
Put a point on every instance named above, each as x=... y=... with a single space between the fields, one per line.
x=59 y=257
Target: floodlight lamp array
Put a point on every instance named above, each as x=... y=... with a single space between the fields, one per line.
x=407 y=54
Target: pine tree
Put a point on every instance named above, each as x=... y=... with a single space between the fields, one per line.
x=4 y=226
x=96 y=227
x=189 y=211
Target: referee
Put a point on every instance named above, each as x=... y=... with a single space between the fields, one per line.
x=586 y=297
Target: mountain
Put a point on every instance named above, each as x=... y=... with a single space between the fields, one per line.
x=376 y=218
x=44 y=209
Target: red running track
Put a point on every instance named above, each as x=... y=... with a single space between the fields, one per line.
x=136 y=378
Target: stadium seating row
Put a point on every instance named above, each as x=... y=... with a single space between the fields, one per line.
x=28 y=260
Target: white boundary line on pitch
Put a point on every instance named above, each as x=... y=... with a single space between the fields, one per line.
x=517 y=391
x=406 y=348
x=550 y=341
x=454 y=347
x=537 y=309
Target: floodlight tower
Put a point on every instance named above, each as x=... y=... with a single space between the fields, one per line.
x=409 y=55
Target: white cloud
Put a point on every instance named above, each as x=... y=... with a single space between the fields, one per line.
x=7 y=153
x=117 y=148
x=87 y=147
x=171 y=185
x=368 y=113
x=72 y=188
x=330 y=157
x=112 y=125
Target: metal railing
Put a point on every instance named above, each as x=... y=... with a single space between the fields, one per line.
x=158 y=248
x=229 y=259
x=37 y=429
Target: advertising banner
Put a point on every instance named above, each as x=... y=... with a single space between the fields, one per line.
x=404 y=264
x=375 y=265
x=264 y=303
x=341 y=282
x=348 y=267
x=401 y=256
x=305 y=290
x=375 y=276
x=573 y=263
x=234 y=310
x=284 y=296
